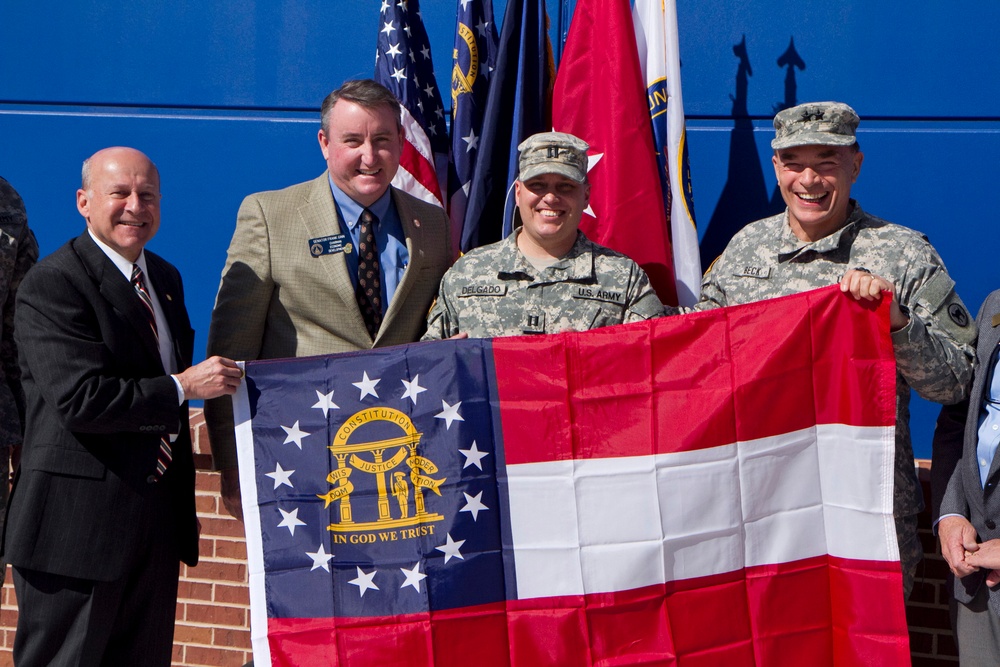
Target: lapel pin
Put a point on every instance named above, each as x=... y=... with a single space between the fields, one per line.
x=996 y=320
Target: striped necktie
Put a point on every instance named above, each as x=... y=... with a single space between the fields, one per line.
x=139 y=283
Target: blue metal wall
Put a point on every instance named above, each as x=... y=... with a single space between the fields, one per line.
x=223 y=96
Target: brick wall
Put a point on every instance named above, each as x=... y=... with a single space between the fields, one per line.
x=213 y=606
x=931 y=643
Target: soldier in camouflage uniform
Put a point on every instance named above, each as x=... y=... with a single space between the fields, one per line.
x=18 y=252
x=547 y=277
x=824 y=237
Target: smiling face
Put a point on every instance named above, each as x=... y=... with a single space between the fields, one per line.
x=815 y=182
x=121 y=200
x=550 y=206
x=362 y=147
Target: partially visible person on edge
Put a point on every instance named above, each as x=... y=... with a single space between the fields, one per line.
x=547 y=276
x=102 y=511
x=340 y=263
x=824 y=237
x=965 y=505
x=18 y=253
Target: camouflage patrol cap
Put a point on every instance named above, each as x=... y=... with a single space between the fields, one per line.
x=815 y=124
x=553 y=153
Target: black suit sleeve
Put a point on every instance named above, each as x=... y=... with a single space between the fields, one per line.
x=88 y=364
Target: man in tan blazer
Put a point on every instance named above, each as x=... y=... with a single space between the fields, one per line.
x=340 y=263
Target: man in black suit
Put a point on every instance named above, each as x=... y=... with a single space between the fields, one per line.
x=102 y=509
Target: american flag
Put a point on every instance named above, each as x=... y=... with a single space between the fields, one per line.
x=403 y=65
x=472 y=64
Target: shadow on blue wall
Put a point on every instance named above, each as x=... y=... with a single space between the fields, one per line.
x=745 y=196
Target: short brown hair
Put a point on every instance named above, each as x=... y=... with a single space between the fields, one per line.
x=363 y=92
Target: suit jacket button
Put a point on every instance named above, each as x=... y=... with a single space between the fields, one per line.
x=991 y=524
x=151 y=479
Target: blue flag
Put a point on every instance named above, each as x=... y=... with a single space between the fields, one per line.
x=473 y=61
x=519 y=105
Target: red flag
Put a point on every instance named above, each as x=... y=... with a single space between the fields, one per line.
x=591 y=498
x=600 y=96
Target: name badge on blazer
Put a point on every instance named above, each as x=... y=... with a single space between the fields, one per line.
x=330 y=245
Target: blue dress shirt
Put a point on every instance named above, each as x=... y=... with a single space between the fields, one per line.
x=989 y=422
x=393 y=256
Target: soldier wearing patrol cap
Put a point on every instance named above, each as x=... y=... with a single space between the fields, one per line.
x=824 y=237
x=547 y=276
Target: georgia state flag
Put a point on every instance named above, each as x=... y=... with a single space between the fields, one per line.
x=710 y=489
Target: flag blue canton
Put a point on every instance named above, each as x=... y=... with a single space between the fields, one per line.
x=403 y=65
x=473 y=60
x=376 y=482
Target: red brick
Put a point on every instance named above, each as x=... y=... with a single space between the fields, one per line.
x=924 y=592
x=178 y=654
x=8 y=618
x=191 y=590
x=216 y=615
x=207 y=481
x=928 y=617
x=921 y=642
x=934 y=662
x=232 y=594
x=206 y=504
x=202 y=462
x=934 y=568
x=229 y=638
x=222 y=527
x=231 y=549
x=215 y=571
x=195 y=655
x=946 y=644
x=192 y=634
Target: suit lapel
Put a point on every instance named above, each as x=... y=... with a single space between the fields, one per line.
x=118 y=291
x=989 y=338
x=318 y=214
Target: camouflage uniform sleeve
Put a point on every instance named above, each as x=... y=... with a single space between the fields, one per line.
x=442 y=320
x=712 y=293
x=643 y=304
x=934 y=351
